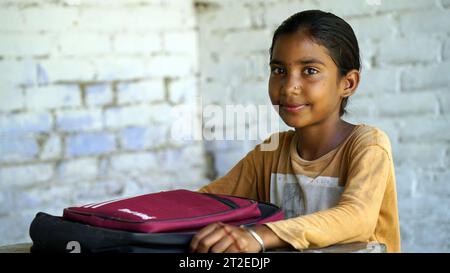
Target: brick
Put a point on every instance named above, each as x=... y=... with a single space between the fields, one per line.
x=364 y=27
x=185 y=124
x=99 y=192
x=214 y=92
x=183 y=90
x=275 y=13
x=26 y=122
x=397 y=105
x=405 y=177
x=42 y=195
x=373 y=81
x=345 y=8
x=162 y=114
x=17 y=148
x=226 y=18
x=85 y=144
x=128 y=116
x=84 y=43
x=136 y=162
x=192 y=178
x=239 y=68
x=446 y=50
x=110 y=68
x=360 y=106
x=395 y=50
x=256 y=40
x=18 y=44
x=224 y=161
x=58 y=69
x=98 y=95
x=26 y=175
x=444 y=101
x=9 y=231
x=155 y=183
x=367 y=51
x=181 y=159
x=132 y=43
x=426 y=155
x=50 y=97
x=134 y=18
x=18 y=72
x=77 y=169
x=56 y=18
x=427 y=79
x=171 y=66
x=140 y=138
x=78 y=120
x=148 y=91
x=431 y=21
x=438 y=186
x=251 y=93
x=181 y=42
x=11 y=19
x=352 y=8
x=405 y=5
x=11 y=98
x=51 y=147
x=425 y=129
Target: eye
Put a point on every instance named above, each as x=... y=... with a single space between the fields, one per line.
x=310 y=71
x=278 y=70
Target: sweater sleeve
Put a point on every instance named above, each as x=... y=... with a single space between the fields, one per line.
x=241 y=180
x=354 y=218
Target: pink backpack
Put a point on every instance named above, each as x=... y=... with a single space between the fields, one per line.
x=157 y=222
x=170 y=211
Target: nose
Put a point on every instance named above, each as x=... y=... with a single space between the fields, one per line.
x=291 y=85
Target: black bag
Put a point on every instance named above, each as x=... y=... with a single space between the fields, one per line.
x=55 y=234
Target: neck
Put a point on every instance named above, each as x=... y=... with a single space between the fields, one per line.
x=319 y=139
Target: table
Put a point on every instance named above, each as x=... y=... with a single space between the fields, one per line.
x=371 y=247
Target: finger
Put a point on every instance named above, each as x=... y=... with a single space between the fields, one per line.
x=222 y=244
x=202 y=234
x=238 y=237
x=232 y=249
x=209 y=240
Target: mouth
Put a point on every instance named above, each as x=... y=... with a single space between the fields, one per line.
x=293 y=107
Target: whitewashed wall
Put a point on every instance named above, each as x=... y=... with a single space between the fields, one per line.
x=87 y=93
x=89 y=88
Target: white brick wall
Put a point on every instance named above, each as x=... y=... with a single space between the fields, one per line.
x=88 y=90
x=149 y=91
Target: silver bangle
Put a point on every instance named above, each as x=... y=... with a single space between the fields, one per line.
x=257 y=238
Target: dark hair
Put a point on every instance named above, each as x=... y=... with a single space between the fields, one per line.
x=329 y=31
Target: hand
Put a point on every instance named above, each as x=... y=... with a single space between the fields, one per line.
x=222 y=238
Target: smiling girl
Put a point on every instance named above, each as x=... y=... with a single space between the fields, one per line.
x=334 y=180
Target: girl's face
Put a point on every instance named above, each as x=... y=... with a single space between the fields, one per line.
x=304 y=81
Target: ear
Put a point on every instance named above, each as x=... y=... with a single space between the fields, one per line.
x=349 y=83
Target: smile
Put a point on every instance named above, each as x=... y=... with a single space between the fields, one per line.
x=294 y=108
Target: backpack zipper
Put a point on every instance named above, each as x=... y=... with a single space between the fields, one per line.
x=224 y=201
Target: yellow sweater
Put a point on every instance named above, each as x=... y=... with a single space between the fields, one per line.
x=348 y=195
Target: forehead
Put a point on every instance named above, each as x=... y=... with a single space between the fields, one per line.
x=291 y=47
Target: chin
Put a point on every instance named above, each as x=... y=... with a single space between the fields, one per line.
x=294 y=122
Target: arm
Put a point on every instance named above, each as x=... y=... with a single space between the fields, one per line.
x=241 y=180
x=354 y=218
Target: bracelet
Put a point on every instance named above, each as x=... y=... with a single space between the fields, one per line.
x=257 y=238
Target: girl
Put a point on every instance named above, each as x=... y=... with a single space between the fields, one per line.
x=334 y=180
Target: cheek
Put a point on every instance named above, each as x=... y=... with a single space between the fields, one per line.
x=273 y=91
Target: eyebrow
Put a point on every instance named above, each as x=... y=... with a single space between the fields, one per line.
x=299 y=61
